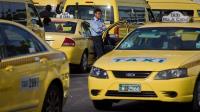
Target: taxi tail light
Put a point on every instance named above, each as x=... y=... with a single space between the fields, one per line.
x=68 y=42
x=116 y=31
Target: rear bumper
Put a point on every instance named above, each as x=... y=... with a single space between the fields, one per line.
x=73 y=54
x=176 y=90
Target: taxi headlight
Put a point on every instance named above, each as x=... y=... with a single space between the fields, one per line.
x=98 y=73
x=171 y=74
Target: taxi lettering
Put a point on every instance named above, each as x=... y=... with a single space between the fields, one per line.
x=139 y=59
x=177 y=17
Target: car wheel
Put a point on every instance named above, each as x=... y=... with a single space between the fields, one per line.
x=53 y=100
x=196 y=99
x=84 y=63
x=102 y=104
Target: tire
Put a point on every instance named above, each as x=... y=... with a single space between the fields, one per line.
x=196 y=98
x=84 y=63
x=53 y=100
x=102 y=104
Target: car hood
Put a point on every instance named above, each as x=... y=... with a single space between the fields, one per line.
x=144 y=60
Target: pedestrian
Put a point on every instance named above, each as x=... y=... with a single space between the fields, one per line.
x=97 y=27
x=47 y=12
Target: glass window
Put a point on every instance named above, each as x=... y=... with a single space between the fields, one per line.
x=162 y=39
x=13 y=11
x=132 y=14
x=20 y=42
x=2 y=46
x=61 y=27
x=34 y=15
x=87 y=12
x=158 y=14
x=150 y=15
x=198 y=12
x=86 y=29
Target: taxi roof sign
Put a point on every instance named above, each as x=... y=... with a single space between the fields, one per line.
x=176 y=17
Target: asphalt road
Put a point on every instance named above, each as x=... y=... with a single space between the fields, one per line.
x=79 y=101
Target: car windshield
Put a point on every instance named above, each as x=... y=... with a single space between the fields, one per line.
x=61 y=27
x=162 y=39
x=158 y=14
x=87 y=12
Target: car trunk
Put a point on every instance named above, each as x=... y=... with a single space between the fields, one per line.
x=56 y=40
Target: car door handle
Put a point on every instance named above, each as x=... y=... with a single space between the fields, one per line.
x=43 y=60
x=9 y=68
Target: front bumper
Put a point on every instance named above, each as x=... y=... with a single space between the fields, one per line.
x=174 y=90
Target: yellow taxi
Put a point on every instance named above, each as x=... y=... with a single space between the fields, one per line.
x=155 y=62
x=72 y=36
x=23 y=12
x=34 y=77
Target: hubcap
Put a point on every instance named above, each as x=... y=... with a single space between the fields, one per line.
x=53 y=102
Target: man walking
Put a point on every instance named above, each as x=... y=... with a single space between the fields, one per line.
x=97 y=27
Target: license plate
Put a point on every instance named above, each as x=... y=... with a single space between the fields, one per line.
x=135 y=88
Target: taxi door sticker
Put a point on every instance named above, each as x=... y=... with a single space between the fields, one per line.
x=30 y=83
x=139 y=59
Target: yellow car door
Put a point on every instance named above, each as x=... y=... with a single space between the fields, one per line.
x=88 y=42
x=22 y=70
x=35 y=24
x=117 y=32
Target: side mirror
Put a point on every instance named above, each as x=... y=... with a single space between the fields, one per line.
x=108 y=48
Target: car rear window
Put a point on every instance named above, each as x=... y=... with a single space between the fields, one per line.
x=13 y=11
x=61 y=27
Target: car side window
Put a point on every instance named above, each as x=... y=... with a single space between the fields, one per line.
x=20 y=42
x=198 y=12
x=2 y=46
x=13 y=11
x=86 y=29
x=34 y=15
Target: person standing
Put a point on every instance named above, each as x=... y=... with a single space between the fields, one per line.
x=47 y=12
x=97 y=27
